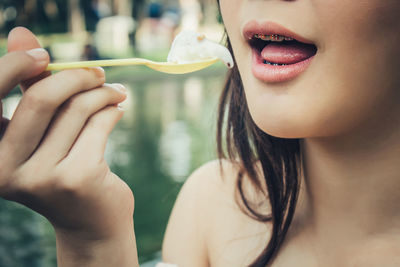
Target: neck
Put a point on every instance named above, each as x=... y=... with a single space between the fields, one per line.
x=351 y=185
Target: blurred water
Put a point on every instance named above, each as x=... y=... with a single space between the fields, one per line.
x=167 y=131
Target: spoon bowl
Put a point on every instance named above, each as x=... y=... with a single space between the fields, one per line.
x=166 y=67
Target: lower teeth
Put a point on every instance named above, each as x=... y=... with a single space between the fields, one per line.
x=273 y=64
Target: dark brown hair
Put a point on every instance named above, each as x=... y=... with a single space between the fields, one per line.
x=241 y=141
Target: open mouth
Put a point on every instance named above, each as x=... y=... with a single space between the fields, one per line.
x=278 y=53
x=279 y=50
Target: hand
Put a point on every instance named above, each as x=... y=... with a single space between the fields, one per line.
x=51 y=153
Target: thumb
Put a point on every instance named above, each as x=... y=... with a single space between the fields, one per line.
x=22 y=39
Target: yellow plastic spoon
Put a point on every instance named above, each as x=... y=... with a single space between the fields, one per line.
x=167 y=67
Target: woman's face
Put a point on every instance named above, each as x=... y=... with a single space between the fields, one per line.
x=352 y=82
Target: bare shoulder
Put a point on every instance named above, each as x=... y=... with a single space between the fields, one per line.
x=207 y=227
x=185 y=238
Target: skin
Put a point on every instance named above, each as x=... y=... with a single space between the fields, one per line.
x=344 y=108
x=51 y=154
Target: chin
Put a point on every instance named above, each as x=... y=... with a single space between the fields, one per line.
x=295 y=126
x=282 y=129
x=301 y=129
x=283 y=133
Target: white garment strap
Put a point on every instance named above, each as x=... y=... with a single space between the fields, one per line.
x=162 y=264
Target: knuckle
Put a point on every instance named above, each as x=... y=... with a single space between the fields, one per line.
x=68 y=183
x=30 y=178
x=74 y=77
x=15 y=65
x=83 y=78
x=97 y=121
x=127 y=192
x=78 y=104
x=20 y=58
x=20 y=186
x=104 y=117
x=76 y=181
x=71 y=186
x=35 y=101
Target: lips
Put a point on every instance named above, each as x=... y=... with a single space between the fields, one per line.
x=274 y=61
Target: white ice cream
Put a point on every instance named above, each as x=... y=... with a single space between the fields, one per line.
x=192 y=46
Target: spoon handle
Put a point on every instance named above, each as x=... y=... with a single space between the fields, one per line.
x=97 y=63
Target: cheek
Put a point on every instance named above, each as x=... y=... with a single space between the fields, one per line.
x=229 y=9
x=362 y=60
x=352 y=83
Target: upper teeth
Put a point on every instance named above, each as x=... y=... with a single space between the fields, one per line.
x=273 y=37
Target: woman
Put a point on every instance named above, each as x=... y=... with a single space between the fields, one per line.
x=313 y=138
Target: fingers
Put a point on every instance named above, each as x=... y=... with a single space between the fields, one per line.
x=72 y=117
x=91 y=143
x=21 y=39
x=37 y=107
x=17 y=66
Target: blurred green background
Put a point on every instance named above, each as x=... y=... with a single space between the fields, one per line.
x=169 y=124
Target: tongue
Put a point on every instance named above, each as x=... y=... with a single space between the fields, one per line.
x=287 y=52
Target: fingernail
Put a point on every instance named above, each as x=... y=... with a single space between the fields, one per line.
x=120 y=87
x=99 y=71
x=39 y=54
